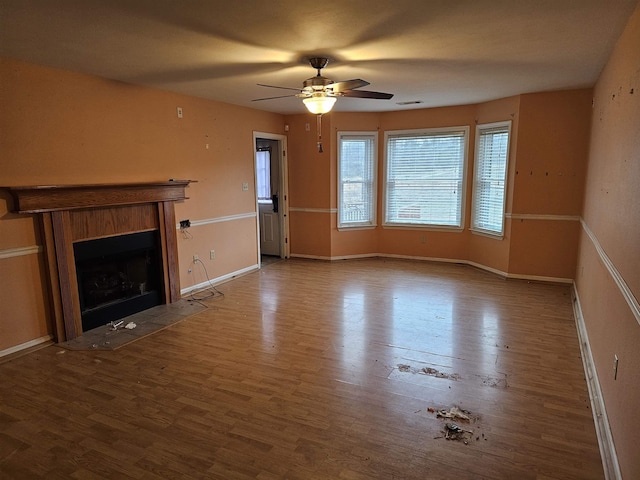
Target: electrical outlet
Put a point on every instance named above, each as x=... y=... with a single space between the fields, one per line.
x=245 y=187
x=195 y=258
x=179 y=111
x=185 y=224
x=615 y=367
x=212 y=254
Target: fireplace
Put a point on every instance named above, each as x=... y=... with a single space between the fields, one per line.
x=117 y=277
x=110 y=250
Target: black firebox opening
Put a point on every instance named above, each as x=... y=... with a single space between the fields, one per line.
x=117 y=277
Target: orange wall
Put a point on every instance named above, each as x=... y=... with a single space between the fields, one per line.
x=72 y=128
x=309 y=185
x=483 y=250
x=611 y=214
x=68 y=128
x=553 y=140
x=552 y=145
x=550 y=134
x=356 y=242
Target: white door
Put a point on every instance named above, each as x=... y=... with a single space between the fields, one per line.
x=269 y=230
x=268 y=186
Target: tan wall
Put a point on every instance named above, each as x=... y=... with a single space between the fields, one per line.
x=347 y=243
x=488 y=251
x=612 y=214
x=552 y=144
x=552 y=140
x=68 y=128
x=309 y=185
x=72 y=128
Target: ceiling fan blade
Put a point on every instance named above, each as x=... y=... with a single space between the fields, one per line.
x=271 y=98
x=274 y=86
x=366 y=94
x=339 y=87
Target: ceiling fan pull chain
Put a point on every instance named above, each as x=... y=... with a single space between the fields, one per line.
x=319 y=127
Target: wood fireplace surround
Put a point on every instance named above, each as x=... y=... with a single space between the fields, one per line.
x=75 y=213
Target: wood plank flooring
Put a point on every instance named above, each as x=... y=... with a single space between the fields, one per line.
x=318 y=370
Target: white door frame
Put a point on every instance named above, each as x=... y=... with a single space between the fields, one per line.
x=283 y=194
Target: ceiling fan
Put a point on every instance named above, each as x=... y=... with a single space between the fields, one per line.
x=319 y=93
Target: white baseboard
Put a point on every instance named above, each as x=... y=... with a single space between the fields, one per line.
x=313 y=257
x=603 y=431
x=25 y=345
x=515 y=276
x=219 y=280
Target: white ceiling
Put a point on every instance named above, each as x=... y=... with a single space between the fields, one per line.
x=439 y=52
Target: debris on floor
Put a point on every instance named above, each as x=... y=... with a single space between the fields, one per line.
x=428 y=371
x=435 y=373
x=495 y=382
x=453 y=430
x=454 y=413
x=130 y=326
x=115 y=325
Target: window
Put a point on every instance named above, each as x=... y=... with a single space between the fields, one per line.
x=357 y=161
x=263 y=173
x=425 y=177
x=489 y=179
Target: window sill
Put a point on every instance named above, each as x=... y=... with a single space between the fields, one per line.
x=484 y=233
x=432 y=228
x=347 y=228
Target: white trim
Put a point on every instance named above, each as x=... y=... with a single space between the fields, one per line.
x=283 y=193
x=311 y=257
x=465 y=166
x=357 y=227
x=219 y=280
x=25 y=345
x=603 y=429
x=536 y=216
x=479 y=129
x=495 y=271
x=613 y=271
x=539 y=278
x=417 y=226
x=21 y=251
x=368 y=136
x=514 y=276
x=313 y=210
x=487 y=233
x=228 y=218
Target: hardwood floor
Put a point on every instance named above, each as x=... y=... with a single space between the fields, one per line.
x=318 y=370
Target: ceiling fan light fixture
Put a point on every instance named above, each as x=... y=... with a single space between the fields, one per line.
x=319 y=104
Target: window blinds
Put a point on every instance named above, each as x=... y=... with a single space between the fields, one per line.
x=356 y=180
x=263 y=174
x=425 y=175
x=490 y=178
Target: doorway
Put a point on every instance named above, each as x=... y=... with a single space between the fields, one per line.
x=271 y=197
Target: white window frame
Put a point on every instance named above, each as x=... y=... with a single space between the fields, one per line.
x=475 y=226
x=371 y=222
x=464 y=129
